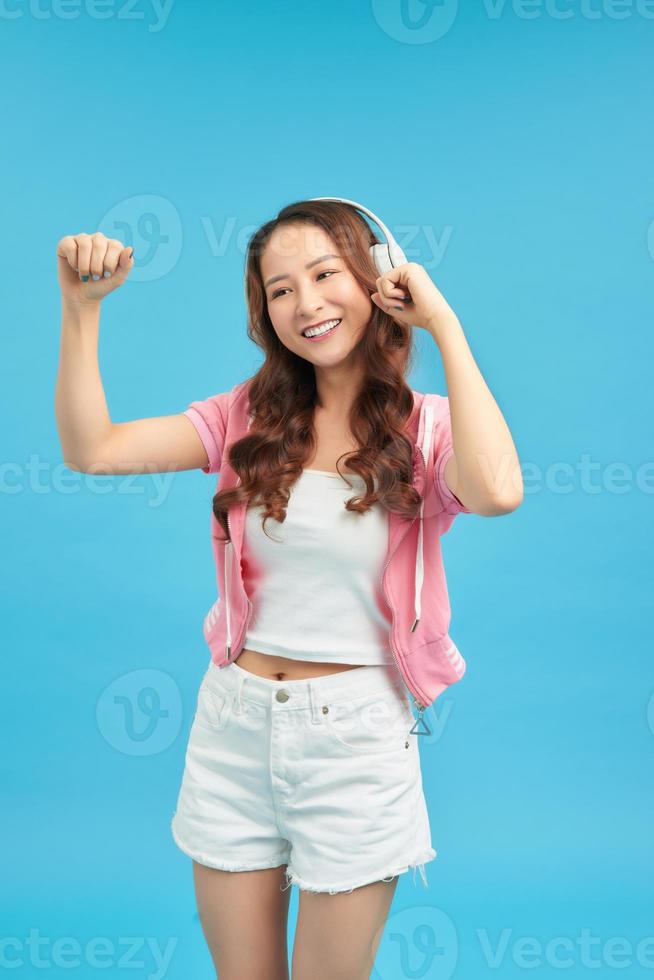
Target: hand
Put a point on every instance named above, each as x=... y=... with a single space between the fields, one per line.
x=89 y=255
x=427 y=307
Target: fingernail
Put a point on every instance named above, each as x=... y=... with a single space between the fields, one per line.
x=131 y=254
x=95 y=278
x=400 y=308
x=106 y=273
x=85 y=278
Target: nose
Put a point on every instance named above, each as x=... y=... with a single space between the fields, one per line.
x=309 y=301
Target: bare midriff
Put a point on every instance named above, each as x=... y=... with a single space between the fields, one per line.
x=284 y=669
x=332 y=441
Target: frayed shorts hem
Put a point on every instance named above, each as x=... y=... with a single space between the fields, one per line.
x=222 y=865
x=419 y=864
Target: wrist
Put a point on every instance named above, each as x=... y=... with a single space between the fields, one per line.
x=438 y=324
x=73 y=310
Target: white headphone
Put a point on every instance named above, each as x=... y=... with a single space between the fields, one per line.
x=387 y=255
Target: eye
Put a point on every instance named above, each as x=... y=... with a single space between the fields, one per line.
x=326 y=272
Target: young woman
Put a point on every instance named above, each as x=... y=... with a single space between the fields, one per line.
x=302 y=763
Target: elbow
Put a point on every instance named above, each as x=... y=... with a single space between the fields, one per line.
x=75 y=465
x=495 y=505
x=505 y=504
x=509 y=497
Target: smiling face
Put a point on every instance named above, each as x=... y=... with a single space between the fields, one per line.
x=313 y=284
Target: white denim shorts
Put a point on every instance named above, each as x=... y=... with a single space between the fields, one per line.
x=319 y=774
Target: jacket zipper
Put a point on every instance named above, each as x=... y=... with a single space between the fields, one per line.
x=229 y=634
x=250 y=605
x=421 y=707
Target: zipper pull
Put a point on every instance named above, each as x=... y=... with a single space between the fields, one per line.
x=420 y=721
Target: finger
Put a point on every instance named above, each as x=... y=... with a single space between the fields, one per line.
x=388 y=289
x=67 y=250
x=125 y=260
x=385 y=286
x=384 y=305
x=114 y=248
x=84 y=247
x=98 y=252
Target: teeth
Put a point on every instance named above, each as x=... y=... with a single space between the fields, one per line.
x=323 y=329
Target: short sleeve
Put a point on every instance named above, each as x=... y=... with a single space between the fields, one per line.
x=443 y=450
x=210 y=420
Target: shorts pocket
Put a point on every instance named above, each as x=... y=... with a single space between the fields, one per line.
x=213 y=708
x=372 y=724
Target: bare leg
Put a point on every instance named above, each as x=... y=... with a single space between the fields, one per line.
x=244 y=916
x=337 y=936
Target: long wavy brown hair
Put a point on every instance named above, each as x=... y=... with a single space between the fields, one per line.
x=282 y=394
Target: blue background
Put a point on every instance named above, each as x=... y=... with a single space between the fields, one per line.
x=521 y=140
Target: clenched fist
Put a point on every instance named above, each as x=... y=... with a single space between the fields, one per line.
x=82 y=257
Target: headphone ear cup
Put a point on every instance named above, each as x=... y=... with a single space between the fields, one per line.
x=381 y=257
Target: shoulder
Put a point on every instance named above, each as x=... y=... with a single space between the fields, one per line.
x=438 y=406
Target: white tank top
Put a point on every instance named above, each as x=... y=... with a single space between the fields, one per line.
x=316 y=587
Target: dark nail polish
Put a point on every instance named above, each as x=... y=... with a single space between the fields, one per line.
x=85 y=278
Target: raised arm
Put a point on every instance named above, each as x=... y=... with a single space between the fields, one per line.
x=90 y=441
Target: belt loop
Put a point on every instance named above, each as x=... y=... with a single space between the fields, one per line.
x=240 y=680
x=316 y=710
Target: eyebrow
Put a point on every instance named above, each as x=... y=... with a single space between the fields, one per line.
x=284 y=275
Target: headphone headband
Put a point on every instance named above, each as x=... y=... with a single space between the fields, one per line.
x=386 y=256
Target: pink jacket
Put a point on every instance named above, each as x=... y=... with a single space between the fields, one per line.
x=413 y=579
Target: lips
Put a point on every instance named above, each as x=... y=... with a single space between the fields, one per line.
x=327 y=333
x=314 y=326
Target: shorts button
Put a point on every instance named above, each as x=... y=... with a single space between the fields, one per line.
x=282 y=695
x=325 y=709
